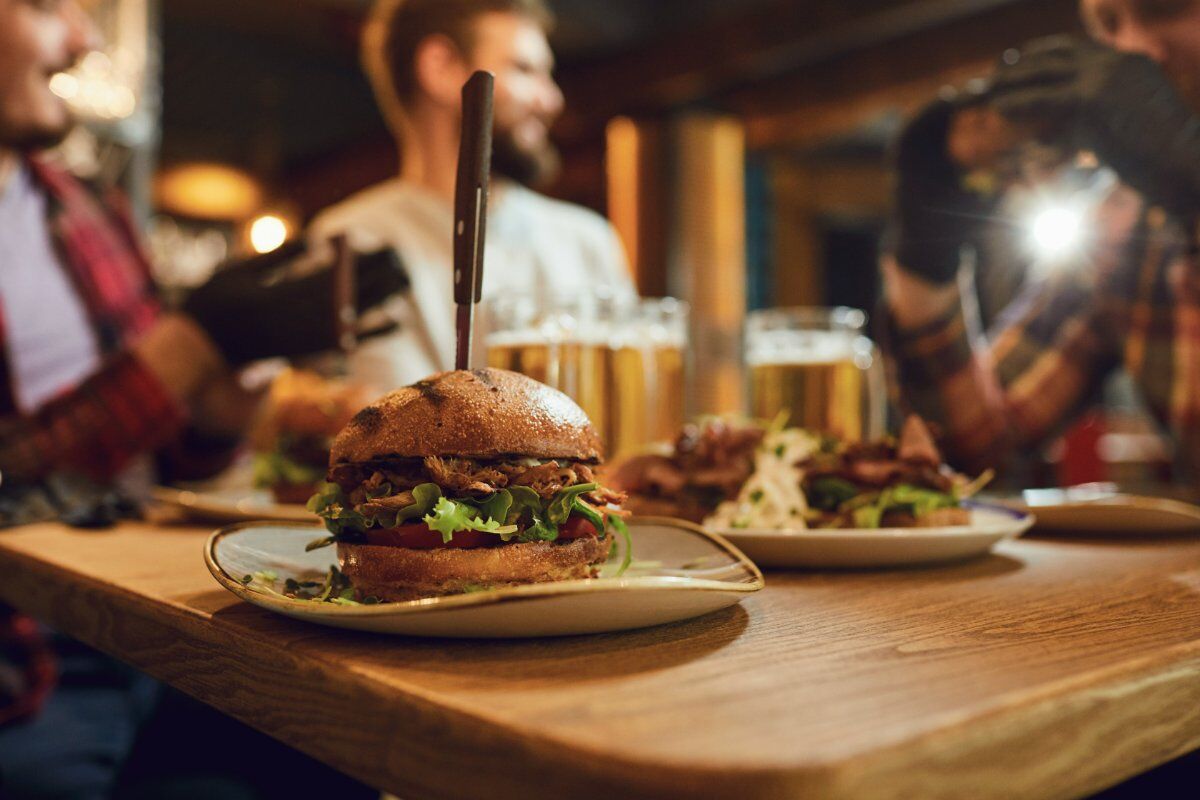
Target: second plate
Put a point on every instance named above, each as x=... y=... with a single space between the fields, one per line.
x=881 y=547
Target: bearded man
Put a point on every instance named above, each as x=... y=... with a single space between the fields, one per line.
x=418 y=54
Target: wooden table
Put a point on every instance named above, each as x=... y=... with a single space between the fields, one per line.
x=1053 y=668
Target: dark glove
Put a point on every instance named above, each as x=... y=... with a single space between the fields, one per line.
x=253 y=309
x=1121 y=106
x=934 y=214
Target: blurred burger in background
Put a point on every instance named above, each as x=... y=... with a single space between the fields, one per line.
x=302 y=413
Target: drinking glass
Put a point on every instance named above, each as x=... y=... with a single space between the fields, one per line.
x=818 y=366
x=621 y=361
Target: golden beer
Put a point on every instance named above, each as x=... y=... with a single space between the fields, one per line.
x=626 y=372
x=815 y=365
x=577 y=369
x=645 y=396
x=528 y=358
x=827 y=396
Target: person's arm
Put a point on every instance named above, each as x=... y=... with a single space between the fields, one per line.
x=1012 y=388
x=1044 y=360
x=135 y=403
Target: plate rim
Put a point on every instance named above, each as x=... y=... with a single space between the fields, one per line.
x=1121 y=500
x=214 y=505
x=531 y=591
x=1021 y=521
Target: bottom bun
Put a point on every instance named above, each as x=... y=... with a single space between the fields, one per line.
x=400 y=573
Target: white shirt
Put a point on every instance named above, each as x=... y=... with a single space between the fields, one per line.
x=534 y=244
x=51 y=344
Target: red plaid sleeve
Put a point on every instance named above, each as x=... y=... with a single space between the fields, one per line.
x=1025 y=380
x=97 y=428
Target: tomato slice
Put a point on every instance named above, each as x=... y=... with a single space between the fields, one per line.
x=418 y=536
x=576 y=527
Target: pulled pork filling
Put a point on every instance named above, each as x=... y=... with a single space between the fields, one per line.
x=461 y=477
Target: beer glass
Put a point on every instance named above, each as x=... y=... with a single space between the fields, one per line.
x=817 y=365
x=621 y=361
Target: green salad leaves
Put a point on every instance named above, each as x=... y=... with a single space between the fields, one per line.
x=869 y=510
x=516 y=513
x=274 y=468
x=448 y=517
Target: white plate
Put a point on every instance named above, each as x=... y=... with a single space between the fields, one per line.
x=1097 y=509
x=680 y=572
x=232 y=505
x=882 y=547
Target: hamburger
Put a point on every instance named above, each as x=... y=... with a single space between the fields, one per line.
x=467 y=480
x=302 y=414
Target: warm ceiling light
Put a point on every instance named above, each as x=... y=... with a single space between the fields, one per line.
x=267 y=233
x=208 y=191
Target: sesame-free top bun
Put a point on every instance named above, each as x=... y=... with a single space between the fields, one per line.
x=483 y=413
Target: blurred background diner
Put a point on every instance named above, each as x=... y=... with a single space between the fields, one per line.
x=740 y=150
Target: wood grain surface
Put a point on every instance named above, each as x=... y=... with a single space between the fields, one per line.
x=1050 y=669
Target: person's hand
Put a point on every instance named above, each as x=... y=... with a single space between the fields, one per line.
x=254 y=309
x=1121 y=106
x=935 y=214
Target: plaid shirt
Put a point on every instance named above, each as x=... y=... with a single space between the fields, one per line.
x=119 y=412
x=1135 y=303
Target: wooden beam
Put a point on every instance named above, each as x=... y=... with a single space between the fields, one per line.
x=781 y=41
x=709 y=255
x=840 y=94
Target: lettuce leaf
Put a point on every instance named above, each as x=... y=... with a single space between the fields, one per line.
x=868 y=509
x=830 y=492
x=920 y=501
x=868 y=516
x=620 y=527
x=330 y=503
x=495 y=507
x=425 y=499
x=274 y=468
x=590 y=514
x=561 y=504
x=449 y=516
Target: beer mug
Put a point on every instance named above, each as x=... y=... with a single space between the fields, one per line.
x=818 y=366
x=621 y=361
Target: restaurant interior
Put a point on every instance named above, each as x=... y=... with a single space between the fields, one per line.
x=850 y=528
x=781 y=111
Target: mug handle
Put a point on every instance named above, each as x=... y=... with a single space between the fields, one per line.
x=877 y=399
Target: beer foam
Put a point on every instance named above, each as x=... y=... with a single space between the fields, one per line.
x=543 y=338
x=804 y=347
x=613 y=336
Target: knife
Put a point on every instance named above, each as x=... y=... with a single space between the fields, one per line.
x=470 y=207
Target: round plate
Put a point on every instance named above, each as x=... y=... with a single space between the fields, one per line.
x=232 y=505
x=1061 y=512
x=881 y=547
x=681 y=571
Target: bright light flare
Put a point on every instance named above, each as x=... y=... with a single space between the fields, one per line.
x=1057 y=232
x=267 y=233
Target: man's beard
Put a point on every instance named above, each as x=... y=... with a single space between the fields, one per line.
x=534 y=169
